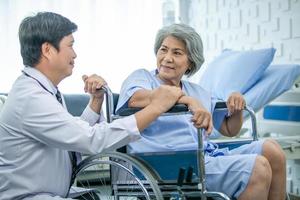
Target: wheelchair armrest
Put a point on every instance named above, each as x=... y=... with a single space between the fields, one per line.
x=178 y=108
x=111 y=104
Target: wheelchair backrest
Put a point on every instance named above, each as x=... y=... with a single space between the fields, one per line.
x=76 y=103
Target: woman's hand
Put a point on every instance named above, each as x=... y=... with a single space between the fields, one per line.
x=201 y=117
x=235 y=103
x=158 y=101
x=233 y=123
x=92 y=84
x=164 y=97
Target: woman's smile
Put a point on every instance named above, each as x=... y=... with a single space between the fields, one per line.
x=166 y=68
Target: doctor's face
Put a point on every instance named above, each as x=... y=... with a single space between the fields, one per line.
x=172 y=60
x=63 y=60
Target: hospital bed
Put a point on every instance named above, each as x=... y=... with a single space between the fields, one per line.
x=276 y=100
x=281 y=120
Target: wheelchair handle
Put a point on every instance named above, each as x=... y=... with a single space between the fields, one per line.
x=176 y=109
x=109 y=102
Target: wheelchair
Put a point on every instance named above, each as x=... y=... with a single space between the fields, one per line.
x=118 y=175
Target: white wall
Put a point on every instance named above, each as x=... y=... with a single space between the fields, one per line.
x=114 y=37
x=248 y=24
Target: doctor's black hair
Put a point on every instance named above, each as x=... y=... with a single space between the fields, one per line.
x=40 y=28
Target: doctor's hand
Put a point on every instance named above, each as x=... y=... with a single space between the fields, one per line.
x=92 y=84
x=164 y=97
x=201 y=117
x=235 y=103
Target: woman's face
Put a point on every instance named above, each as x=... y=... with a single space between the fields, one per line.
x=172 y=60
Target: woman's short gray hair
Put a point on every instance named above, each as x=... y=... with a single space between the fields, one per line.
x=191 y=39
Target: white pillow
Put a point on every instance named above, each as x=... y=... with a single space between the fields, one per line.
x=235 y=71
x=274 y=81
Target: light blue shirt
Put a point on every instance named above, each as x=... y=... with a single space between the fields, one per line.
x=36 y=133
x=167 y=133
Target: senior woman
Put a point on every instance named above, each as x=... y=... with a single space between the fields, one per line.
x=252 y=171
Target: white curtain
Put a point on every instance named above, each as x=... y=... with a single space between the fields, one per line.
x=114 y=37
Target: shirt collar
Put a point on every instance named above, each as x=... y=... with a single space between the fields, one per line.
x=155 y=72
x=39 y=76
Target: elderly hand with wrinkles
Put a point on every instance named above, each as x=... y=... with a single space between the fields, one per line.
x=235 y=103
x=201 y=117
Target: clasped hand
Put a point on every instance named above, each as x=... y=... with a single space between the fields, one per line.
x=164 y=97
x=92 y=84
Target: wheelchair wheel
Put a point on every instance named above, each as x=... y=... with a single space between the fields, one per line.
x=115 y=176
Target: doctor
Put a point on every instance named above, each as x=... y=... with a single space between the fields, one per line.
x=37 y=133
